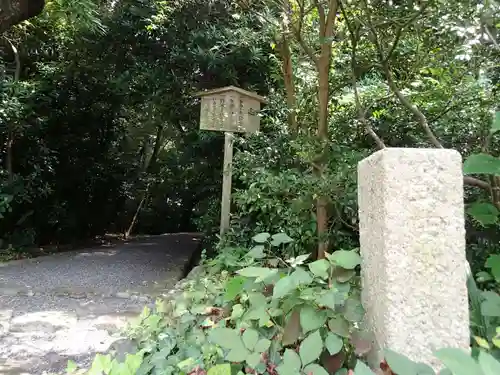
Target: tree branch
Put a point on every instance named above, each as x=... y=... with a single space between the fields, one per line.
x=354 y=36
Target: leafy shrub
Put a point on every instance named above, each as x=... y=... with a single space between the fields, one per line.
x=254 y=312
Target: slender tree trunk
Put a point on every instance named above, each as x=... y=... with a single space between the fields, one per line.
x=137 y=211
x=10 y=126
x=287 y=71
x=147 y=167
x=326 y=33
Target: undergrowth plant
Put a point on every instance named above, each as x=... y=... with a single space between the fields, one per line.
x=272 y=316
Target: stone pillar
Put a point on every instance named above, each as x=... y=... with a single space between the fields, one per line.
x=412 y=235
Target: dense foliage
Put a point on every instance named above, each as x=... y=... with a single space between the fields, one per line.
x=99 y=133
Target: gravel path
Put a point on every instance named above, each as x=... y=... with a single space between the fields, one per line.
x=73 y=305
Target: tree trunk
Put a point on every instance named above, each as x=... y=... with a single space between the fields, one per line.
x=287 y=71
x=323 y=62
x=13 y=12
x=10 y=125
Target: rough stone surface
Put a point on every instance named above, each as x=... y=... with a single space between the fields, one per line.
x=412 y=236
x=74 y=305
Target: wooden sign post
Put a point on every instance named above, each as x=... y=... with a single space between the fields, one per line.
x=229 y=109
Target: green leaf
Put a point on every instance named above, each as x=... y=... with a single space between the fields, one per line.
x=353 y=310
x=256 y=252
x=260 y=273
x=250 y=338
x=493 y=263
x=292 y=328
x=311 y=348
x=101 y=364
x=482 y=164
x=291 y=360
x=424 y=369
x=327 y=299
x=320 y=268
x=71 y=367
x=339 y=326
x=224 y=337
x=238 y=352
x=491 y=304
x=261 y=237
x=314 y=369
x=262 y=345
x=495 y=125
x=283 y=287
x=301 y=277
x=234 y=286
x=488 y=363
x=362 y=369
x=347 y=259
x=237 y=311
x=458 y=361
x=294 y=262
x=280 y=239
x=253 y=360
x=482 y=342
x=484 y=213
x=399 y=364
x=222 y=369
x=311 y=318
x=333 y=343
x=133 y=362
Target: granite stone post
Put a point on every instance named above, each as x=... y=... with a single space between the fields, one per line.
x=412 y=235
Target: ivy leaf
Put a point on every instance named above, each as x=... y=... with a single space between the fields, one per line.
x=261 y=237
x=353 y=310
x=491 y=304
x=301 y=277
x=237 y=311
x=493 y=263
x=250 y=338
x=294 y=262
x=292 y=328
x=253 y=360
x=311 y=348
x=101 y=364
x=495 y=125
x=222 y=369
x=347 y=259
x=320 y=268
x=482 y=164
x=311 y=318
x=327 y=299
x=362 y=369
x=283 y=287
x=256 y=252
x=262 y=345
x=226 y=338
x=314 y=369
x=489 y=364
x=280 y=239
x=399 y=364
x=458 y=361
x=342 y=275
x=339 y=326
x=484 y=213
x=71 y=367
x=291 y=362
x=260 y=273
x=333 y=343
x=238 y=353
x=233 y=287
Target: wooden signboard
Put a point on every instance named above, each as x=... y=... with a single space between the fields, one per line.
x=230 y=110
